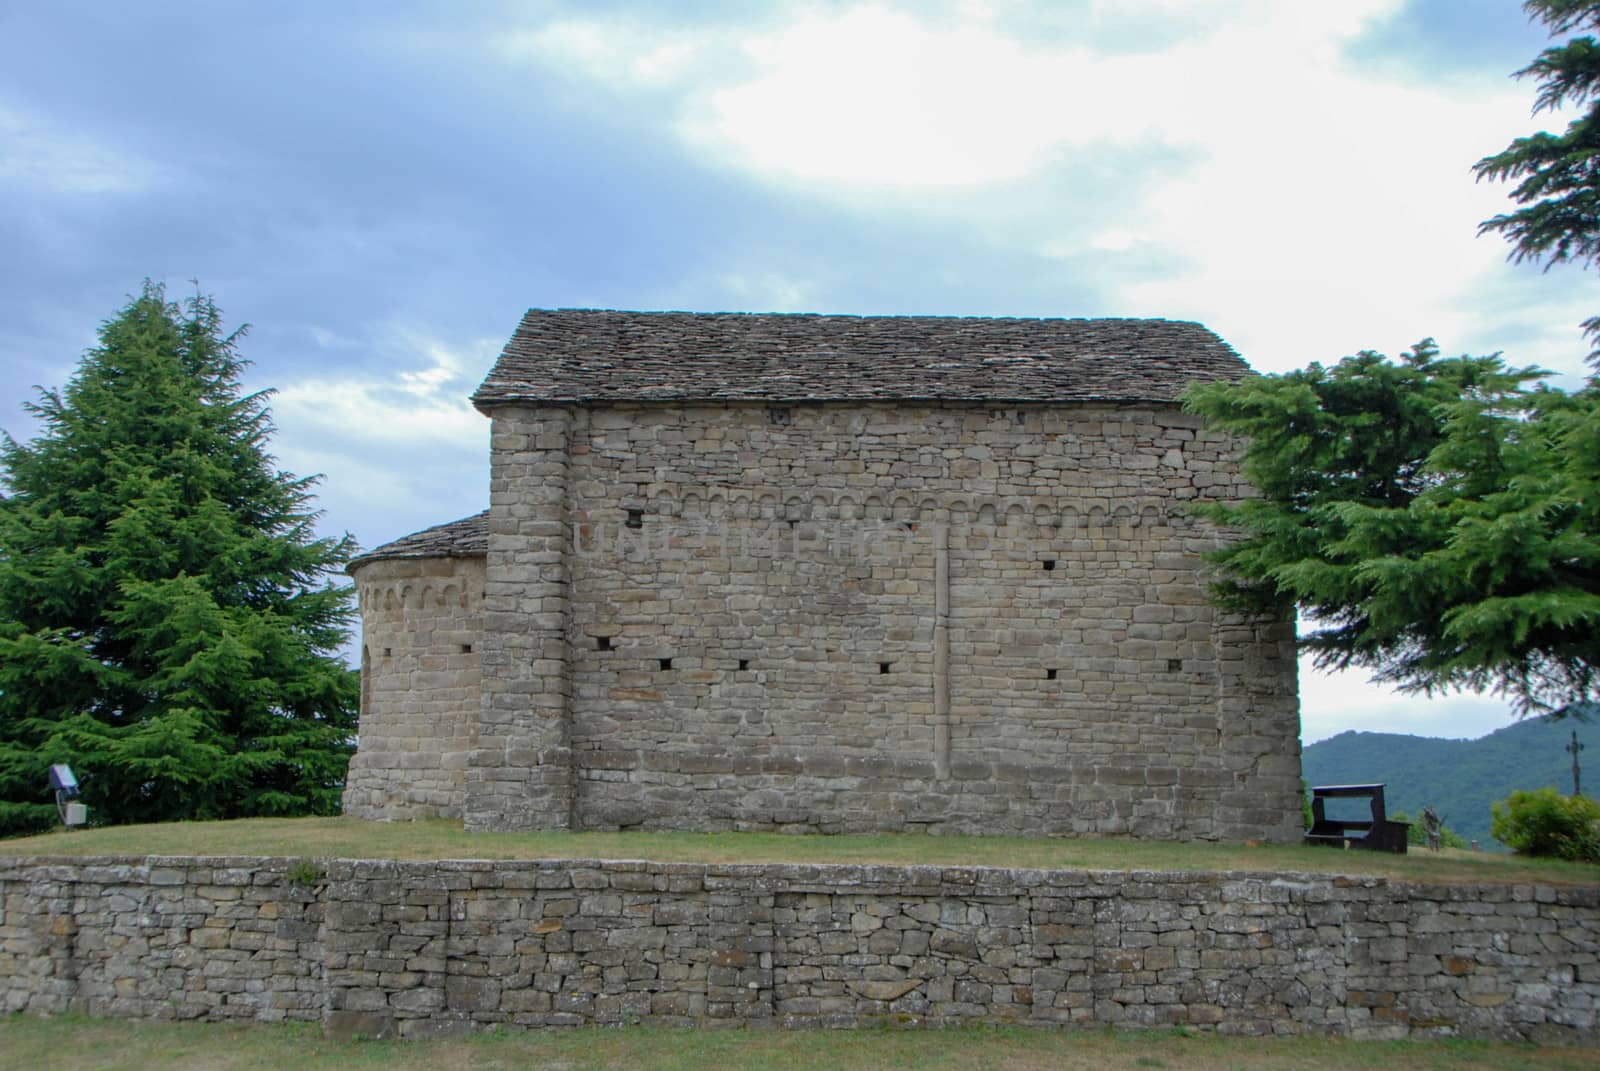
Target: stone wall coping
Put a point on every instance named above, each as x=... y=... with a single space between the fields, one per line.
x=946 y=879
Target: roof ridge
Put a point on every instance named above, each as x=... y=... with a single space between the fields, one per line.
x=598 y=355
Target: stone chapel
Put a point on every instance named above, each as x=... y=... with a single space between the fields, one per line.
x=832 y=573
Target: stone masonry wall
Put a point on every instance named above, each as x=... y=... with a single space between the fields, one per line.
x=520 y=775
x=219 y=939
x=420 y=949
x=422 y=623
x=848 y=617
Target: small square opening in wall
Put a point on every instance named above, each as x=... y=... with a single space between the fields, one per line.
x=665 y=663
x=744 y=663
x=1049 y=674
x=1048 y=564
x=883 y=667
x=635 y=518
x=1174 y=665
x=466 y=648
x=602 y=643
x=388 y=652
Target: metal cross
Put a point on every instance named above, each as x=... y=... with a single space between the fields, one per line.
x=1575 y=747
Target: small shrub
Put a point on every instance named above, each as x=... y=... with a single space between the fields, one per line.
x=303 y=872
x=1547 y=823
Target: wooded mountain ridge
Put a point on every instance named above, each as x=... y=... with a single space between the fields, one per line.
x=1460 y=778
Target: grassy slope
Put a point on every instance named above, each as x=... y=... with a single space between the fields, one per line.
x=353 y=839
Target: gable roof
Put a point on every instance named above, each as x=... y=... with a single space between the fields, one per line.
x=597 y=355
x=466 y=538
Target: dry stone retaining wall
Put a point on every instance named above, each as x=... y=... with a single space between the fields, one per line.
x=425 y=948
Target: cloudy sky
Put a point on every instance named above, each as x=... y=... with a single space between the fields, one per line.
x=381 y=192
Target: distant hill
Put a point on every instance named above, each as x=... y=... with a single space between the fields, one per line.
x=1460 y=778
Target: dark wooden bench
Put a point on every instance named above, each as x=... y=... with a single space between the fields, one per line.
x=1380 y=833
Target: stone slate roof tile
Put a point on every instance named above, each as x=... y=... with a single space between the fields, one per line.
x=466 y=538
x=594 y=355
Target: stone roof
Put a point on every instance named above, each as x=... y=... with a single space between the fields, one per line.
x=466 y=538
x=595 y=355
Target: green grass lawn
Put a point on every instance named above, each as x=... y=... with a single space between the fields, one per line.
x=82 y=1044
x=350 y=838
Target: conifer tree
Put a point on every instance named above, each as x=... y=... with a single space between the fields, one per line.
x=1437 y=519
x=167 y=624
x=1557 y=175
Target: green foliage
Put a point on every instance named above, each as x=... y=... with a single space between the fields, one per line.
x=1556 y=175
x=1544 y=822
x=303 y=872
x=166 y=622
x=1438 y=519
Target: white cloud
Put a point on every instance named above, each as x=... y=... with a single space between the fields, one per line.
x=1302 y=205
x=773 y=291
x=881 y=96
x=1338 y=214
x=392 y=447
x=423 y=406
x=622 y=53
x=40 y=157
x=876 y=97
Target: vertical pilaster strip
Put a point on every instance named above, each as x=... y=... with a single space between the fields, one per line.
x=941 y=651
x=521 y=770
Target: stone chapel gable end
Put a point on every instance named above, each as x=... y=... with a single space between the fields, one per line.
x=833 y=573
